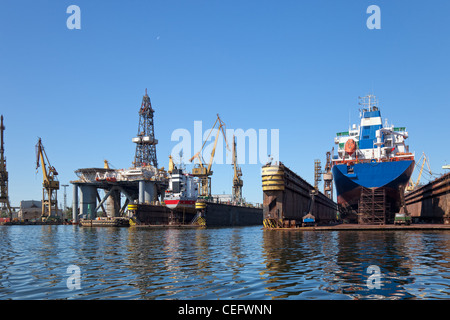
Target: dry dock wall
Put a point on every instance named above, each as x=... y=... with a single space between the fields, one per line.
x=224 y=215
x=431 y=203
x=216 y=215
x=287 y=197
x=147 y=214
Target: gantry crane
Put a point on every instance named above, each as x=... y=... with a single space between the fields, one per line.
x=237 y=181
x=204 y=173
x=50 y=183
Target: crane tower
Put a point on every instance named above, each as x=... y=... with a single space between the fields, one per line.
x=145 y=140
x=328 y=178
x=202 y=171
x=237 y=181
x=4 y=199
x=50 y=183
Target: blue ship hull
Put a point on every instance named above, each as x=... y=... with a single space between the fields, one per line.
x=349 y=181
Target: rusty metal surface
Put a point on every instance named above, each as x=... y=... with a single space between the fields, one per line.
x=432 y=201
x=288 y=202
x=147 y=214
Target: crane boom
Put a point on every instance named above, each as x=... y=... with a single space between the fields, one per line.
x=413 y=185
x=50 y=183
x=201 y=171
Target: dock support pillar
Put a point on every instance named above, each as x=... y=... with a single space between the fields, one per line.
x=113 y=204
x=88 y=201
x=141 y=191
x=149 y=192
x=75 y=203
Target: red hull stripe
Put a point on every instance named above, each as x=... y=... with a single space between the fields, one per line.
x=179 y=201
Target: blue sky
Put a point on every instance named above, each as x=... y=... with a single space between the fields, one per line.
x=297 y=66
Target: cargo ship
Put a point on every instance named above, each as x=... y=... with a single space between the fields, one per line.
x=372 y=167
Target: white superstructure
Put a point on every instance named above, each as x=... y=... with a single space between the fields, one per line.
x=370 y=140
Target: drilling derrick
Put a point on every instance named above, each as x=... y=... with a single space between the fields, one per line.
x=4 y=199
x=145 y=140
x=50 y=183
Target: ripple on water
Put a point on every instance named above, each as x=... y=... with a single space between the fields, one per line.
x=227 y=263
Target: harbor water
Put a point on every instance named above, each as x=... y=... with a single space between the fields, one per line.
x=71 y=262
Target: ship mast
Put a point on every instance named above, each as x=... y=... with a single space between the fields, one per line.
x=368 y=102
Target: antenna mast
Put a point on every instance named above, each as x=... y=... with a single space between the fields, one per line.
x=368 y=102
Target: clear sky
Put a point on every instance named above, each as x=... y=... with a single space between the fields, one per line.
x=297 y=66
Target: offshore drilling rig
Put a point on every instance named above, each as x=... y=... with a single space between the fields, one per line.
x=141 y=184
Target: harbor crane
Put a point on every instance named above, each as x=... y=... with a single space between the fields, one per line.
x=411 y=185
x=204 y=173
x=4 y=198
x=328 y=177
x=50 y=183
x=237 y=181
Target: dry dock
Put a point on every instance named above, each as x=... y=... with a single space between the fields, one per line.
x=365 y=227
x=208 y=214
x=431 y=202
x=287 y=198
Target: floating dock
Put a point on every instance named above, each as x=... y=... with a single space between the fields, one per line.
x=287 y=198
x=229 y=215
x=208 y=214
x=115 y=222
x=365 y=227
x=430 y=203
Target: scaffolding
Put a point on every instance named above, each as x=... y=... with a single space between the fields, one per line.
x=372 y=206
x=317 y=173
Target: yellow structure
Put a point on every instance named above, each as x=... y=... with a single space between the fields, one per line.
x=204 y=173
x=50 y=183
x=272 y=178
x=411 y=186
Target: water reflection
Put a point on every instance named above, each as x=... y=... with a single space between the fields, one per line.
x=338 y=262
x=226 y=263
